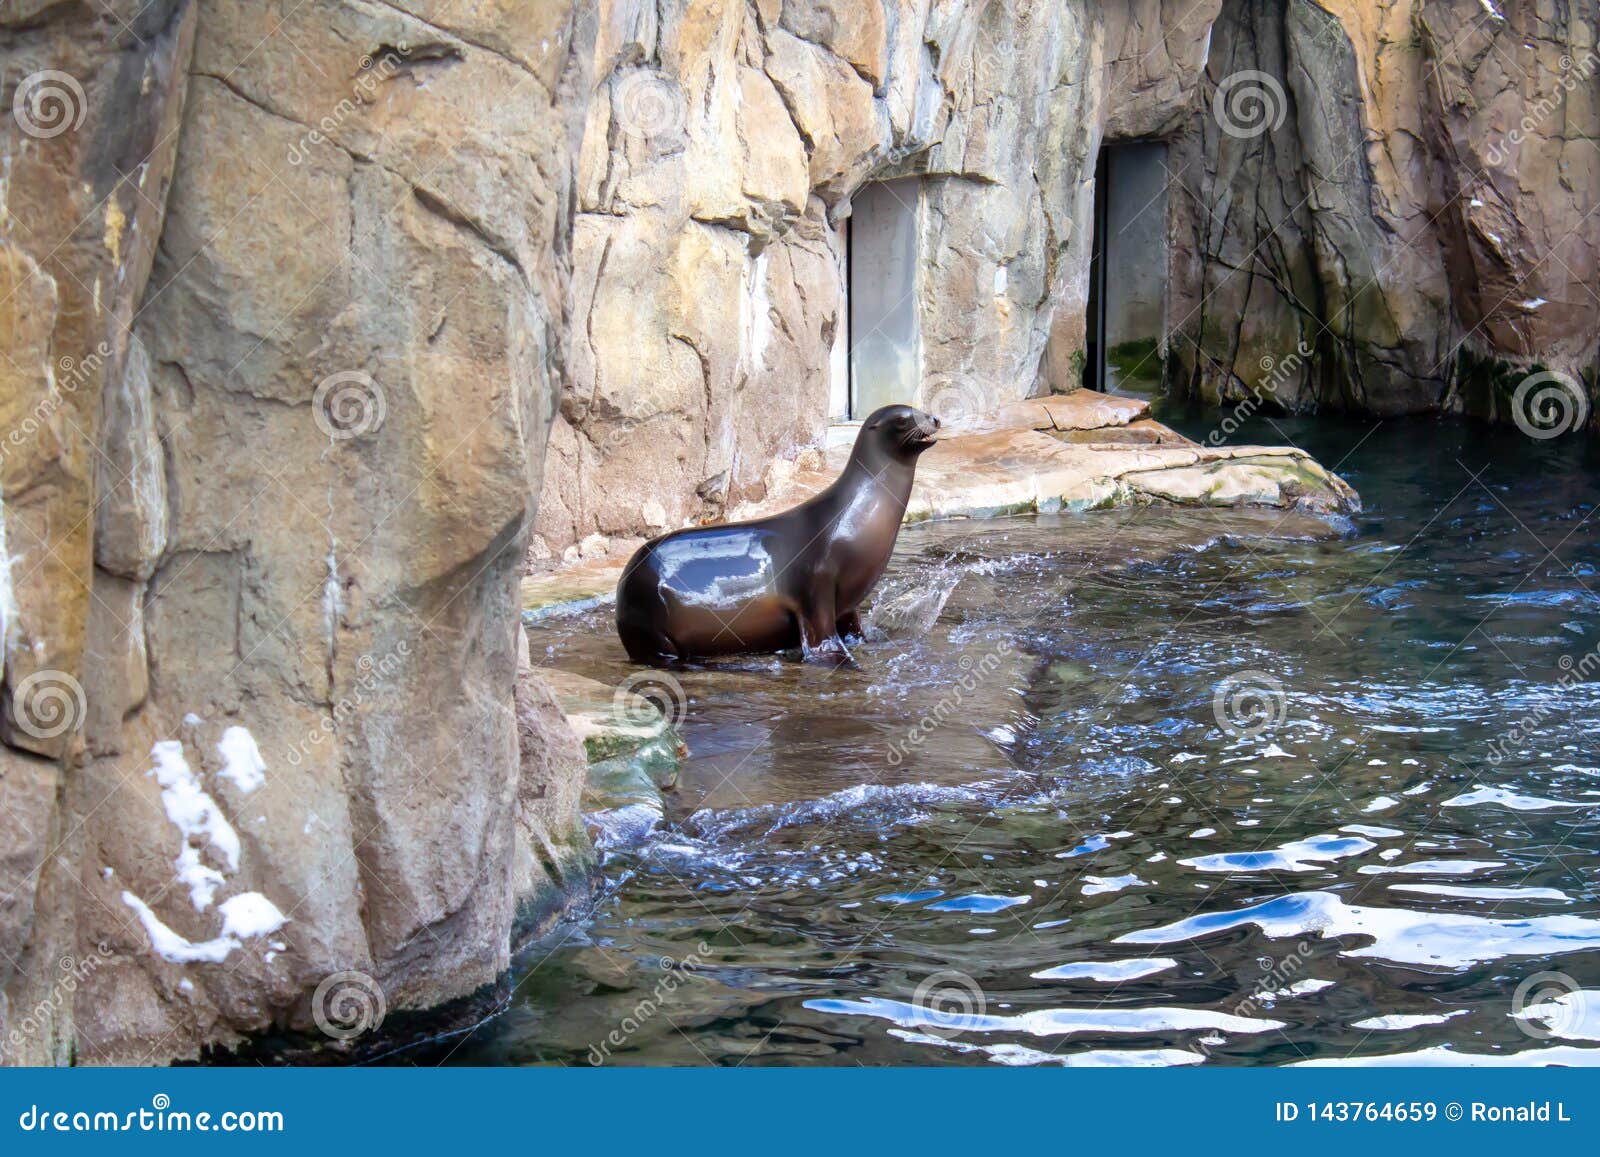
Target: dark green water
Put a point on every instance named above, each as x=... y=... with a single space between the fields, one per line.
x=1194 y=788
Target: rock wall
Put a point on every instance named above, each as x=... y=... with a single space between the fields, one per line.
x=720 y=156
x=1376 y=205
x=1386 y=206
x=285 y=292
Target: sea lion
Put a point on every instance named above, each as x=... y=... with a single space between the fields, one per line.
x=795 y=579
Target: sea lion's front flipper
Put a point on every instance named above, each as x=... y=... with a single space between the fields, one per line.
x=849 y=626
x=830 y=650
x=819 y=632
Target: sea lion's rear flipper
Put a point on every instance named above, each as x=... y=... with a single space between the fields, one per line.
x=647 y=646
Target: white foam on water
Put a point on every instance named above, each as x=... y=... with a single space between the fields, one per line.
x=1441 y=1056
x=1506 y=797
x=911 y=607
x=1482 y=892
x=1432 y=868
x=1021 y=1055
x=1107 y=971
x=1399 y=1022
x=1048 y=1022
x=1432 y=939
x=623 y=827
x=1300 y=856
x=1571 y=1015
x=1298 y=988
x=1097 y=885
x=882 y=804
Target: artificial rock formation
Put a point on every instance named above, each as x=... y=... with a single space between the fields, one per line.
x=284 y=292
x=1378 y=206
x=1408 y=198
x=720 y=156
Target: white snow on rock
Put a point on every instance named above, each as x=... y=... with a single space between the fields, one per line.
x=242 y=764
x=201 y=826
x=250 y=914
x=244 y=917
x=199 y=821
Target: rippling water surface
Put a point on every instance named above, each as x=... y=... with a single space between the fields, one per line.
x=1137 y=787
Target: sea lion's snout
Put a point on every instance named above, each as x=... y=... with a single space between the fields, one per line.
x=920 y=430
x=900 y=431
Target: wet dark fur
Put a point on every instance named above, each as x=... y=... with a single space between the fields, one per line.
x=795 y=579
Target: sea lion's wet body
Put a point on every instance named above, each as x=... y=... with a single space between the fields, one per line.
x=795 y=579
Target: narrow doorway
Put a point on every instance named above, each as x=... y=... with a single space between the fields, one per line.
x=1125 y=340
x=880 y=274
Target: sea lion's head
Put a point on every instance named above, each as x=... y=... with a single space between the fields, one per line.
x=898 y=432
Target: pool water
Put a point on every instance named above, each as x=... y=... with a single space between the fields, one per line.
x=1141 y=787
